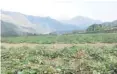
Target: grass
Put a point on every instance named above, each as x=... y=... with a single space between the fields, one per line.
x=66 y=39
x=69 y=60
x=64 y=57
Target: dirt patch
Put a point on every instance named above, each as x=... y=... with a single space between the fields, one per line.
x=55 y=46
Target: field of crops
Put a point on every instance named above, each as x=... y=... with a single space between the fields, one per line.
x=66 y=39
x=63 y=54
x=81 y=59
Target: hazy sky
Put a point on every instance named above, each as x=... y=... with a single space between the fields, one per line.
x=64 y=9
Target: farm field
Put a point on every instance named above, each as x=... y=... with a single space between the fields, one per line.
x=58 y=37
x=63 y=54
x=64 y=39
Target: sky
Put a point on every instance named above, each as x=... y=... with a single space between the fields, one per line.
x=104 y=10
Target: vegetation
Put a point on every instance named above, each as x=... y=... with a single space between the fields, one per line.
x=71 y=38
x=8 y=29
x=73 y=59
x=69 y=60
x=104 y=27
x=91 y=51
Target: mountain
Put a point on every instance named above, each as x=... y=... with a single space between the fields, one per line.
x=33 y=24
x=104 y=27
x=51 y=24
x=81 y=21
x=21 y=24
x=19 y=20
x=8 y=29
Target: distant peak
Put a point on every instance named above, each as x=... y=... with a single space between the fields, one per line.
x=81 y=17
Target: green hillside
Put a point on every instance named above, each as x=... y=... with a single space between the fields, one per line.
x=8 y=29
x=104 y=27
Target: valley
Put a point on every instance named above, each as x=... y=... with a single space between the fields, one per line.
x=43 y=45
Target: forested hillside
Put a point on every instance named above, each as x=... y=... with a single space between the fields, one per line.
x=8 y=29
x=104 y=27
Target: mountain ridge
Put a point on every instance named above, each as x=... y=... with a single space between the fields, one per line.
x=82 y=21
x=39 y=25
x=104 y=27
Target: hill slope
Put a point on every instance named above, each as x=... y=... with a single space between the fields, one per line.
x=82 y=22
x=35 y=24
x=41 y=25
x=104 y=27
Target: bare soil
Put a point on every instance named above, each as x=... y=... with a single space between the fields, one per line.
x=55 y=46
